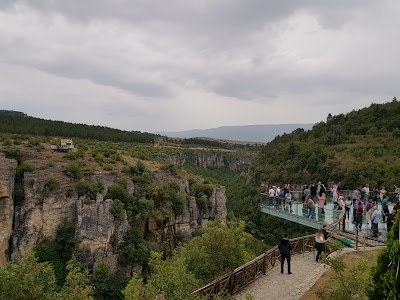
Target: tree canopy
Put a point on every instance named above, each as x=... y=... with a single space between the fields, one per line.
x=359 y=147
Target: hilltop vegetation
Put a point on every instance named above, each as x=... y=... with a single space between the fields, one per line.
x=19 y=123
x=14 y=122
x=355 y=148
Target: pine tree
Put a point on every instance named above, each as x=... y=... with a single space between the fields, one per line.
x=386 y=275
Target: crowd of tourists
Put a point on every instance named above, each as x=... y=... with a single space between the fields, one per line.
x=361 y=203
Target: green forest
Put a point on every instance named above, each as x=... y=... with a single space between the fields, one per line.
x=354 y=149
x=357 y=148
x=19 y=123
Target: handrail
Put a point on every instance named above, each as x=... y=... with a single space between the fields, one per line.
x=242 y=276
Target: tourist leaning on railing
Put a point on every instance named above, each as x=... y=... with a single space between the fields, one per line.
x=320 y=242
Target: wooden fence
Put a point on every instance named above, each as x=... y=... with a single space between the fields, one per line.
x=242 y=276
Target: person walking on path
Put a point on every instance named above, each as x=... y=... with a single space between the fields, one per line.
x=285 y=248
x=320 y=242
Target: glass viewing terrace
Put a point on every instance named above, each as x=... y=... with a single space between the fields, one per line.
x=300 y=214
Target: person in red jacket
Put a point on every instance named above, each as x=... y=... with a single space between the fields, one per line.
x=359 y=213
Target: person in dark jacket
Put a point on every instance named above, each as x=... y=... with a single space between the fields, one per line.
x=390 y=219
x=285 y=248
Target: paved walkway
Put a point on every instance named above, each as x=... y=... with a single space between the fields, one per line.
x=306 y=272
x=274 y=285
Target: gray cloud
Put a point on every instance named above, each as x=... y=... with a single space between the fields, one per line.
x=229 y=50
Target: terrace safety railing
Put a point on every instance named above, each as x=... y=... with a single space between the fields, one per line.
x=242 y=276
x=299 y=213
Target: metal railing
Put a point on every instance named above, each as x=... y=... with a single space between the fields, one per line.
x=372 y=237
x=345 y=193
x=242 y=276
x=297 y=209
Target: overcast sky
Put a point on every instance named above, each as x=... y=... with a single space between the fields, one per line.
x=184 y=64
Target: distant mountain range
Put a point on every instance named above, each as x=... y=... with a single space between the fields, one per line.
x=250 y=133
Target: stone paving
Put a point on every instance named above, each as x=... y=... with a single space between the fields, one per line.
x=274 y=285
x=306 y=272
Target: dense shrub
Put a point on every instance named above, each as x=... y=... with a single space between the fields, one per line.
x=58 y=251
x=50 y=184
x=14 y=153
x=89 y=189
x=118 y=191
x=133 y=250
x=75 y=170
x=117 y=210
x=31 y=279
x=108 y=286
x=385 y=278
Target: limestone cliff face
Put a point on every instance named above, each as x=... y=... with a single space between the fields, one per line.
x=190 y=220
x=7 y=176
x=207 y=159
x=95 y=226
x=40 y=214
x=201 y=159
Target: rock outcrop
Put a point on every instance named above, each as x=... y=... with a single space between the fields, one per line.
x=191 y=219
x=7 y=176
x=207 y=159
x=95 y=225
x=201 y=159
x=38 y=217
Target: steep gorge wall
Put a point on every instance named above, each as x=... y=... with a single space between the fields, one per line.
x=40 y=214
x=208 y=159
x=7 y=176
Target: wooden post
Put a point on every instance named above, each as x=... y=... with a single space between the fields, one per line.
x=231 y=283
x=356 y=237
x=264 y=264
x=344 y=224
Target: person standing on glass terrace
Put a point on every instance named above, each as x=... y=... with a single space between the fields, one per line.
x=271 y=194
